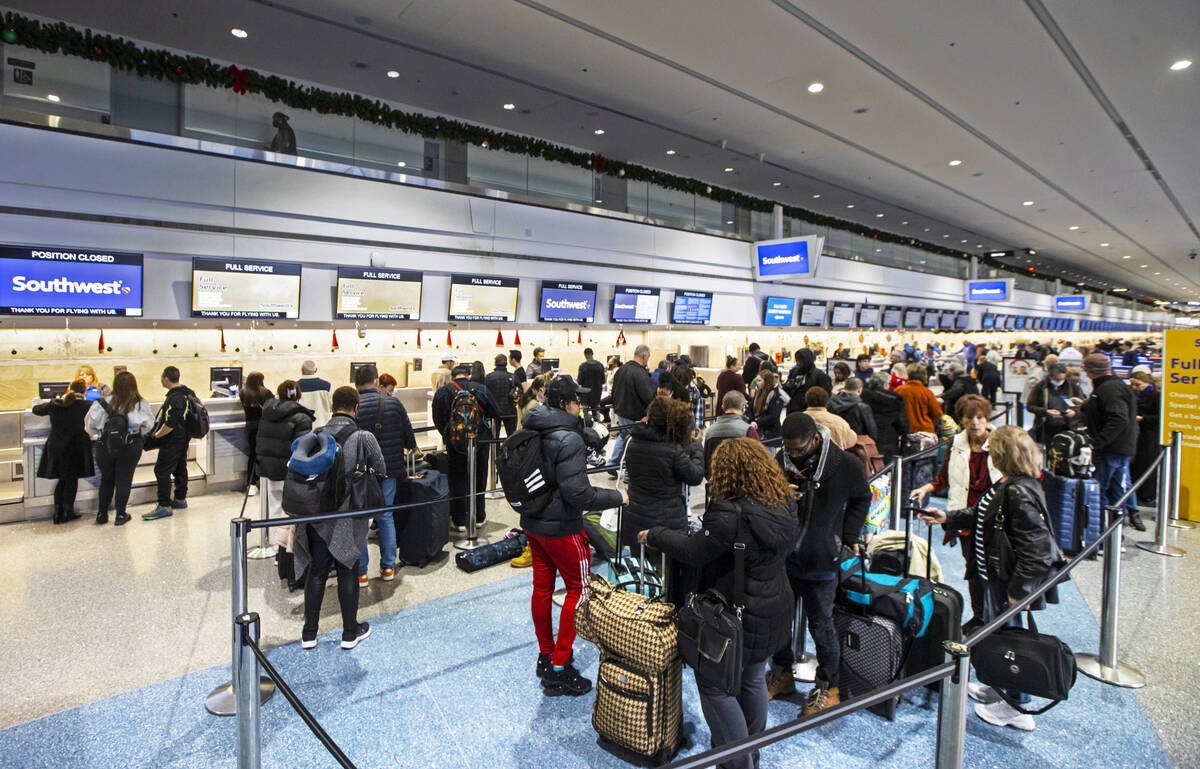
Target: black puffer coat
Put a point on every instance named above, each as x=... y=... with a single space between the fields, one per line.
x=282 y=422
x=68 y=450
x=658 y=467
x=565 y=458
x=891 y=418
x=1111 y=417
x=773 y=532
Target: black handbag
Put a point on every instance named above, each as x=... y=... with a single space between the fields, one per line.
x=1024 y=660
x=711 y=637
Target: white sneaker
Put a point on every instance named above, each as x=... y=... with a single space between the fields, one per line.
x=982 y=693
x=252 y=491
x=1002 y=714
x=308 y=643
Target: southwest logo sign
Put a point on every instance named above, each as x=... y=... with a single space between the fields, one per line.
x=53 y=281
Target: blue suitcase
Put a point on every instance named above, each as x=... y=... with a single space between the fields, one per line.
x=1076 y=510
x=1089 y=513
x=422 y=532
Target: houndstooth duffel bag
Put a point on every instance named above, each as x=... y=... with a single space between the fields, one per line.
x=639 y=630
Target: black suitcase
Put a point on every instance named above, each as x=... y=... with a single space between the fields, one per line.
x=422 y=532
x=872 y=653
x=945 y=624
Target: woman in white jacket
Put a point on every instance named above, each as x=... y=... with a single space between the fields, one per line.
x=966 y=474
x=117 y=454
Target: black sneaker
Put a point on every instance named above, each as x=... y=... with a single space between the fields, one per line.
x=566 y=682
x=179 y=504
x=544 y=666
x=1135 y=520
x=364 y=630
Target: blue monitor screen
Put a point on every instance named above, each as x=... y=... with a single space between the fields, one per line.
x=930 y=319
x=634 y=304
x=565 y=302
x=53 y=281
x=692 y=307
x=779 y=311
x=989 y=322
x=963 y=321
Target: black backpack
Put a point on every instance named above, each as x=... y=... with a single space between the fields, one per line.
x=195 y=416
x=523 y=473
x=316 y=476
x=1070 y=455
x=114 y=435
x=466 y=418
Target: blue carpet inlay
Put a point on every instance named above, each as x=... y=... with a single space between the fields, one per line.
x=450 y=683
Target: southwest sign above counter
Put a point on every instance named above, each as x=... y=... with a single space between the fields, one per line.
x=564 y=302
x=241 y=288
x=1070 y=303
x=989 y=290
x=787 y=258
x=52 y=281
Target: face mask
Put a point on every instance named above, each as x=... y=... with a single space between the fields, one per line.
x=1056 y=384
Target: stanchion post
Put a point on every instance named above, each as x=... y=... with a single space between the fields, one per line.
x=1105 y=666
x=222 y=701
x=1159 y=544
x=952 y=709
x=493 y=476
x=804 y=668
x=472 y=540
x=246 y=666
x=265 y=549
x=897 y=506
x=1176 y=467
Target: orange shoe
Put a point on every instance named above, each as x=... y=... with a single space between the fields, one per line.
x=387 y=574
x=362 y=580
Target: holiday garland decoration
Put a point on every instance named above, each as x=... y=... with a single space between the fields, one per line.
x=59 y=37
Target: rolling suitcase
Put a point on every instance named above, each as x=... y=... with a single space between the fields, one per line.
x=1062 y=504
x=872 y=655
x=1089 y=513
x=945 y=624
x=422 y=532
x=639 y=711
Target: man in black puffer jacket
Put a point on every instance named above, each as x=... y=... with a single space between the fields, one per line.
x=284 y=420
x=833 y=497
x=802 y=376
x=632 y=391
x=1111 y=418
x=556 y=538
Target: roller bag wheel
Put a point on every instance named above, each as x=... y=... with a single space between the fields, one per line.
x=422 y=532
x=1061 y=504
x=872 y=653
x=639 y=711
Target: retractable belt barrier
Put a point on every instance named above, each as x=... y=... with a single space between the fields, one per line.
x=952 y=706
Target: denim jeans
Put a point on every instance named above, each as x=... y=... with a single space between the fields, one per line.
x=817 y=596
x=1112 y=473
x=731 y=718
x=619 y=444
x=387 y=533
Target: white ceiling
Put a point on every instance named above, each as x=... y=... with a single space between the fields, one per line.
x=1044 y=100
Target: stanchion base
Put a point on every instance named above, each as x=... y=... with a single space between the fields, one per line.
x=1176 y=523
x=262 y=553
x=805 y=669
x=1122 y=675
x=1169 y=550
x=470 y=544
x=494 y=495
x=559 y=596
x=222 y=701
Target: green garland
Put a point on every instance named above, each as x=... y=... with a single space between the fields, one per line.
x=161 y=64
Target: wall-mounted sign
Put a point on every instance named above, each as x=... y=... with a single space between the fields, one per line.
x=786 y=258
x=1070 y=303
x=47 y=280
x=989 y=290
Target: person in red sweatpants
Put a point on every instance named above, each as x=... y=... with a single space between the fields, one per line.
x=555 y=534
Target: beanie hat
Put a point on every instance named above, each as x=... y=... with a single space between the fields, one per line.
x=1097 y=364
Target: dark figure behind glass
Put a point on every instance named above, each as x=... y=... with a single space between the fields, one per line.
x=285 y=137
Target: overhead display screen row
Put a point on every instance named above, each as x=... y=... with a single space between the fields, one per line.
x=868 y=316
x=56 y=281
x=240 y=288
x=812 y=313
x=483 y=297
x=366 y=292
x=692 y=307
x=564 y=302
x=634 y=304
x=843 y=315
x=893 y=317
x=912 y=317
x=779 y=311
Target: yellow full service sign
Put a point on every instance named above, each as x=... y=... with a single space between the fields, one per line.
x=1181 y=411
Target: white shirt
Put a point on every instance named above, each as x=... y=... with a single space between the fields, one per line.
x=1070 y=354
x=141 y=419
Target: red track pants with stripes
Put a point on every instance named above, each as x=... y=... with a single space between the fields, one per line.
x=552 y=556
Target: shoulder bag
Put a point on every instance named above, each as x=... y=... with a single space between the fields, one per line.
x=1015 y=659
x=711 y=636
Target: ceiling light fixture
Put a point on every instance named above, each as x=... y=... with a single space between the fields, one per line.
x=1028 y=203
x=402 y=164
x=670 y=152
x=818 y=87
x=53 y=97
x=599 y=132
x=776 y=184
x=1181 y=65
x=1105 y=245
x=729 y=221
x=393 y=74
x=904 y=222
x=878 y=216
x=1073 y=227
x=816 y=195
x=508 y=106
x=1143 y=266
x=1119 y=290
x=955 y=162
x=729 y=169
x=242 y=34
x=1127 y=256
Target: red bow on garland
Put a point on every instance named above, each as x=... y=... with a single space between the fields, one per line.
x=239 y=78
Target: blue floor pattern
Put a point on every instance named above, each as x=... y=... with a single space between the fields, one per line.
x=450 y=683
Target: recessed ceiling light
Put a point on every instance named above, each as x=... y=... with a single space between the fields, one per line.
x=729 y=221
x=1143 y=266
x=1119 y=290
x=878 y=250
x=1181 y=64
x=776 y=184
x=1158 y=273
x=978 y=245
x=599 y=132
x=878 y=216
x=946 y=235
x=1126 y=256
x=816 y=195
x=508 y=106
x=1028 y=203
x=393 y=74
x=402 y=164
x=962 y=241
x=1073 y=227
x=52 y=97
x=904 y=222
x=818 y=87
x=956 y=162
x=926 y=229
x=239 y=33
x=1104 y=245
x=850 y=206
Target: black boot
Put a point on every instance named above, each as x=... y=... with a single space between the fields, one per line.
x=121 y=519
x=58 y=515
x=101 y=517
x=1135 y=520
x=69 y=513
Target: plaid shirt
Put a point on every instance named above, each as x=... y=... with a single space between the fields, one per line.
x=697 y=405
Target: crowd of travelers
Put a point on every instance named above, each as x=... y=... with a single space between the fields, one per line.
x=784 y=459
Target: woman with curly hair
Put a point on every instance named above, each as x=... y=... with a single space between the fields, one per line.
x=749 y=502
